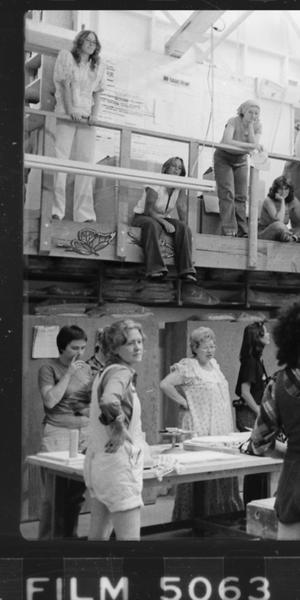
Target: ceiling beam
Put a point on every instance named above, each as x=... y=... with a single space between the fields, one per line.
x=191 y=31
x=227 y=32
x=47 y=39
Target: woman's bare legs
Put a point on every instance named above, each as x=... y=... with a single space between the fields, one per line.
x=127 y=524
x=100 y=524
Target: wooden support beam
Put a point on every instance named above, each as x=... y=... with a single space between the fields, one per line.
x=47 y=188
x=253 y=218
x=122 y=214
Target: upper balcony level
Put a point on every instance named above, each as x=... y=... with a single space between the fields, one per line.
x=127 y=160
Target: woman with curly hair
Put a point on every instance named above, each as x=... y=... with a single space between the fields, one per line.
x=79 y=78
x=275 y=212
x=251 y=383
x=198 y=385
x=113 y=468
x=232 y=169
x=164 y=208
x=280 y=414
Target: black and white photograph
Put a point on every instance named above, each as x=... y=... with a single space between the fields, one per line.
x=159 y=185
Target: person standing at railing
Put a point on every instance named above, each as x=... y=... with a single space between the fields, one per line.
x=232 y=169
x=79 y=78
x=275 y=213
x=164 y=209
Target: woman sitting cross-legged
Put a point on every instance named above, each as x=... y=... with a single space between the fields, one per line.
x=275 y=212
x=164 y=209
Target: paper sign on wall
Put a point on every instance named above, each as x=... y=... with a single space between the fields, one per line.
x=44 y=341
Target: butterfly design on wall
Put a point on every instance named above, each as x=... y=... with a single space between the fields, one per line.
x=88 y=242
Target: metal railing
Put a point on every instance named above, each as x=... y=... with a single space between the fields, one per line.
x=48 y=163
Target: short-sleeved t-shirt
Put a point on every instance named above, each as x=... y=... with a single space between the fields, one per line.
x=84 y=82
x=76 y=396
x=253 y=372
x=240 y=133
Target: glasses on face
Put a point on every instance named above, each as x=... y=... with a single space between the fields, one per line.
x=92 y=42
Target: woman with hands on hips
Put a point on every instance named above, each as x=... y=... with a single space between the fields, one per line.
x=113 y=468
x=198 y=385
x=231 y=167
x=79 y=78
x=65 y=387
x=165 y=209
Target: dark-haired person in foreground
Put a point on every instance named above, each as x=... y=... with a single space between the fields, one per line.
x=280 y=413
x=65 y=386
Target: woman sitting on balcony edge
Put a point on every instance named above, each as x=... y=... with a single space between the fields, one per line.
x=79 y=78
x=275 y=213
x=164 y=209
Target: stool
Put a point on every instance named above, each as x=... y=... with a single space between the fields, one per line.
x=261 y=518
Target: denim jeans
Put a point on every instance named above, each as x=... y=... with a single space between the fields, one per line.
x=151 y=231
x=231 y=173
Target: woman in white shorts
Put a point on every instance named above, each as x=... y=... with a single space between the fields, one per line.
x=113 y=466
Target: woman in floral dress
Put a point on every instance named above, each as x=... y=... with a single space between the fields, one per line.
x=198 y=385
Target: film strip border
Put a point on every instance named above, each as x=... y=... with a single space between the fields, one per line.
x=151 y=578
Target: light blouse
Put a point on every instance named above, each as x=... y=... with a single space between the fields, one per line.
x=84 y=82
x=164 y=205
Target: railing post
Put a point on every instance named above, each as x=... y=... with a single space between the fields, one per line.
x=122 y=201
x=193 y=201
x=253 y=218
x=47 y=187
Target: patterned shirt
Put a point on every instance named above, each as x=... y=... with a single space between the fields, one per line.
x=84 y=82
x=268 y=426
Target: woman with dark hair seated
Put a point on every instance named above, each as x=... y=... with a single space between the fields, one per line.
x=163 y=208
x=280 y=414
x=275 y=212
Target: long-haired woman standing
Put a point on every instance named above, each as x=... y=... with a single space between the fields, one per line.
x=251 y=383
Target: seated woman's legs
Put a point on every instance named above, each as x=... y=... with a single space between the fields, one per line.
x=151 y=231
x=277 y=231
x=183 y=247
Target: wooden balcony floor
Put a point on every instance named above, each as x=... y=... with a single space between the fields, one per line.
x=100 y=242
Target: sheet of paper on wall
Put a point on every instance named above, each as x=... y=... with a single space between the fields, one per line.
x=44 y=341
